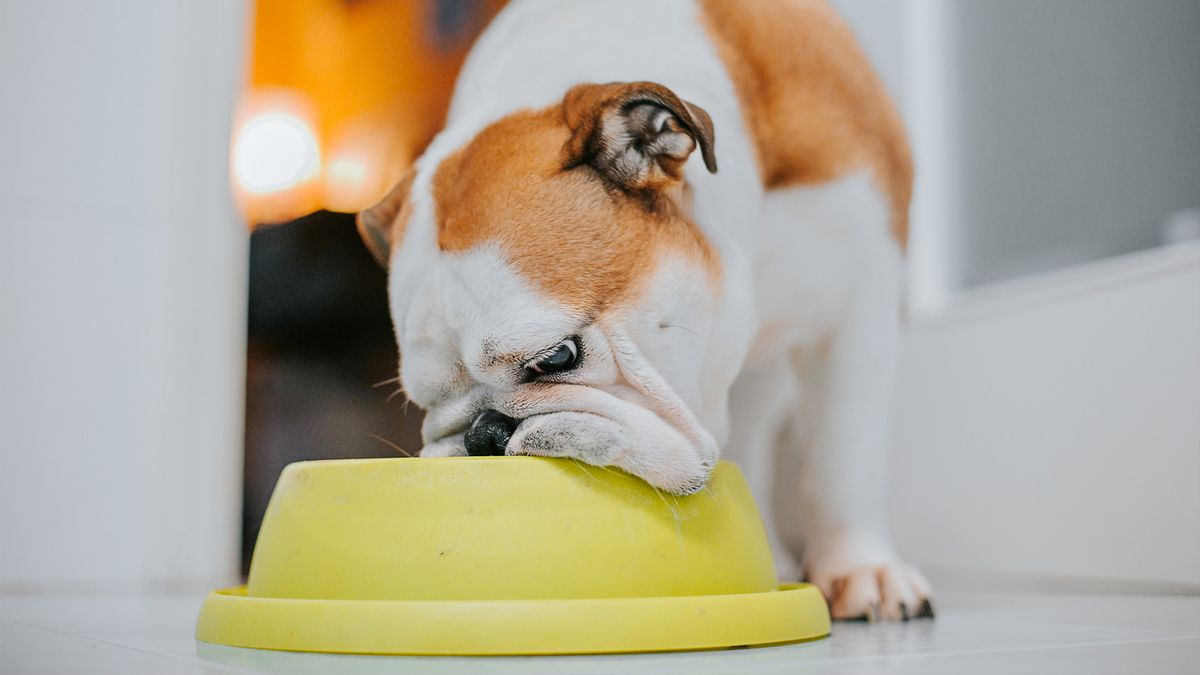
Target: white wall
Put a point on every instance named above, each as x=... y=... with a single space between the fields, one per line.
x=1051 y=426
x=122 y=269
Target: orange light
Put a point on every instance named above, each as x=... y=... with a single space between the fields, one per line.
x=346 y=184
x=360 y=162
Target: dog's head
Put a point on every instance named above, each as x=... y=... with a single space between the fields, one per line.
x=551 y=292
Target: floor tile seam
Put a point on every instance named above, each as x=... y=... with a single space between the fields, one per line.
x=1005 y=650
x=119 y=645
x=1079 y=626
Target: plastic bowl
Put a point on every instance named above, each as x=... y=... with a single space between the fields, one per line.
x=506 y=555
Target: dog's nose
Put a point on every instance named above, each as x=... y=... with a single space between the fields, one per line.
x=489 y=434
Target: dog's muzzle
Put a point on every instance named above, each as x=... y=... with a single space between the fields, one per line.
x=489 y=434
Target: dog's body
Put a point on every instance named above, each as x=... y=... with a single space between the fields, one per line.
x=561 y=255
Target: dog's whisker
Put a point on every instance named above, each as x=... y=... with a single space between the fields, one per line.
x=675 y=499
x=392 y=445
x=393 y=380
x=605 y=468
x=583 y=468
x=394 y=394
x=666 y=503
x=675 y=325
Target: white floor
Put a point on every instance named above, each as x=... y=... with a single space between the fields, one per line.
x=975 y=633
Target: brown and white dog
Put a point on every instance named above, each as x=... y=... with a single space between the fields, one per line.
x=571 y=276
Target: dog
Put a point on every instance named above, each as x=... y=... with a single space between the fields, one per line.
x=571 y=276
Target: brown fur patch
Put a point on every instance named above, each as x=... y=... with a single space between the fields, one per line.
x=578 y=239
x=813 y=105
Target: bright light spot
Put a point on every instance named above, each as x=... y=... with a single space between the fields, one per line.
x=345 y=184
x=344 y=171
x=275 y=151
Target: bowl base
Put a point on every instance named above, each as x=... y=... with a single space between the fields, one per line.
x=793 y=613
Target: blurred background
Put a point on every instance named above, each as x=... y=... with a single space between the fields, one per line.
x=187 y=307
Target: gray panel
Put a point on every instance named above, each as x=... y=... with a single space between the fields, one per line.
x=1079 y=128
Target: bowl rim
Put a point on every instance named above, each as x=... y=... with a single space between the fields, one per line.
x=531 y=460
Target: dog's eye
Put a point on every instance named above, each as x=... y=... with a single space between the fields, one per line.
x=563 y=357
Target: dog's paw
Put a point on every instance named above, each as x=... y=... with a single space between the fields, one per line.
x=582 y=436
x=596 y=440
x=864 y=580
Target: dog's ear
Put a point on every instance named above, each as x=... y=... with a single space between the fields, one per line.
x=636 y=134
x=378 y=225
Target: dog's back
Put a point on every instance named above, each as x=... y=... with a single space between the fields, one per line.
x=813 y=104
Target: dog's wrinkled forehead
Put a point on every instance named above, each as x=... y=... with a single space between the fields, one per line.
x=469 y=318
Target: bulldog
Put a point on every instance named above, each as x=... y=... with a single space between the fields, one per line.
x=570 y=275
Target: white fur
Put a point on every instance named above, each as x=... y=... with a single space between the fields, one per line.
x=464 y=309
x=802 y=330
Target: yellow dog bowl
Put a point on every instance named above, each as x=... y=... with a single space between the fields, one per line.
x=506 y=555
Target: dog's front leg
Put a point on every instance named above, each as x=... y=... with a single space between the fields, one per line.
x=847 y=386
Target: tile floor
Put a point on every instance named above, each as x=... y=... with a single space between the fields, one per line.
x=975 y=633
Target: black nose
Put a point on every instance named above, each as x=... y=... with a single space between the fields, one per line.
x=489 y=434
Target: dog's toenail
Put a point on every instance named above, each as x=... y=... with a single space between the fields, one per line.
x=926 y=610
x=872 y=615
